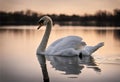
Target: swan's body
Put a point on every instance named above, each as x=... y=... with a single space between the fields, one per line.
x=64 y=46
x=67 y=46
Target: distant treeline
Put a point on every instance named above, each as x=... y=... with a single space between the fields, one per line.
x=100 y=18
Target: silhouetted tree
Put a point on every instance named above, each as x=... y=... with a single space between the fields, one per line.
x=100 y=18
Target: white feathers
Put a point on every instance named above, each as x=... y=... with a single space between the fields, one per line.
x=88 y=50
x=67 y=46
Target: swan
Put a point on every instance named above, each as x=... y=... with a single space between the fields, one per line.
x=66 y=46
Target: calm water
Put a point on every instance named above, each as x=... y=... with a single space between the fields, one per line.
x=19 y=62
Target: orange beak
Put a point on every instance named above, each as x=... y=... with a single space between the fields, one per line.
x=41 y=24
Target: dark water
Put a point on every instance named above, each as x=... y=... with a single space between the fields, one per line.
x=19 y=62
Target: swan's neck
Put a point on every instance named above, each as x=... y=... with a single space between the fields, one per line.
x=44 y=41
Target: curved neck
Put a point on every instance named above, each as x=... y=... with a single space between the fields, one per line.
x=45 y=38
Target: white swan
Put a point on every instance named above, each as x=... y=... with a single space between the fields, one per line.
x=66 y=46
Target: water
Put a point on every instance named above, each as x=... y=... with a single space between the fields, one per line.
x=19 y=62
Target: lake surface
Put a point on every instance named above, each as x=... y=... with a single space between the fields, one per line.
x=19 y=62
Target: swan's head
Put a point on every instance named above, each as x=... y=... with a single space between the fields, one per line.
x=44 y=21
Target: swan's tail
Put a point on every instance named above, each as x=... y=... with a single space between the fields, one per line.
x=97 y=46
x=100 y=44
x=88 y=50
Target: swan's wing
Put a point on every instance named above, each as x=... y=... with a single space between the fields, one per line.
x=68 y=37
x=69 y=42
x=56 y=42
x=65 y=38
x=64 y=43
x=51 y=47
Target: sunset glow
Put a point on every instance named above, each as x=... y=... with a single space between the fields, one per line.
x=69 y=7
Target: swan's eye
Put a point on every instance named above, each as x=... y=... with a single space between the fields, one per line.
x=41 y=22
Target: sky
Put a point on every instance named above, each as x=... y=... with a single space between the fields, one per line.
x=68 y=7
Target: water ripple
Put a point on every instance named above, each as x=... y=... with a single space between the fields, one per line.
x=108 y=60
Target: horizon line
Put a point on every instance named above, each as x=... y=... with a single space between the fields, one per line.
x=33 y=11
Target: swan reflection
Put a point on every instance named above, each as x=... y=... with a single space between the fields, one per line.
x=89 y=62
x=42 y=62
x=73 y=65
x=70 y=65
